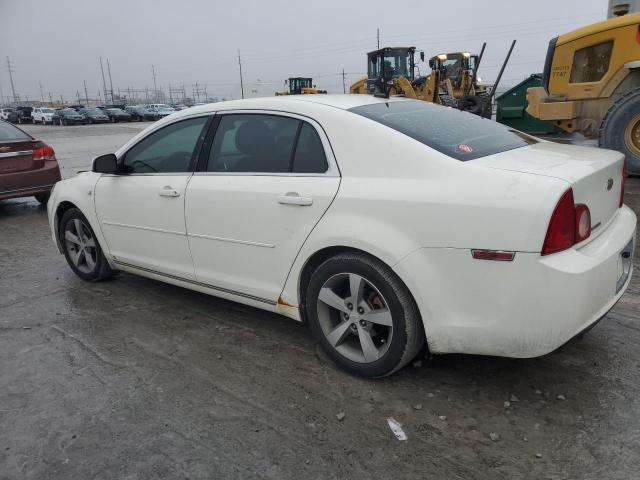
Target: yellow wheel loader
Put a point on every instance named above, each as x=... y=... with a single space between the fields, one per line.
x=300 y=86
x=591 y=85
x=452 y=80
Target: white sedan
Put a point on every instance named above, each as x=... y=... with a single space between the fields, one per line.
x=385 y=224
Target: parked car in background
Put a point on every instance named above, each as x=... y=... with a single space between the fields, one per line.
x=178 y=107
x=4 y=113
x=94 y=115
x=437 y=227
x=68 y=116
x=161 y=110
x=117 y=115
x=43 y=115
x=140 y=113
x=28 y=167
x=24 y=114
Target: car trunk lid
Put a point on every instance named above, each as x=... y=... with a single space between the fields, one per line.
x=595 y=175
x=17 y=156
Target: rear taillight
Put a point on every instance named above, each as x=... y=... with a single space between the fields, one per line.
x=569 y=224
x=44 y=152
x=622 y=180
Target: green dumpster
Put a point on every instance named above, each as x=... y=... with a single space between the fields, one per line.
x=511 y=107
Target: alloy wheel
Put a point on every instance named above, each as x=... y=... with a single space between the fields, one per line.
x=81 y=245
x=355 y=317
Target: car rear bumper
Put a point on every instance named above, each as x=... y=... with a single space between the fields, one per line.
x=29 y=182
x=524 y=308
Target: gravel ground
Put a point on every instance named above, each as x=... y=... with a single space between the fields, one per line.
x=135 y=379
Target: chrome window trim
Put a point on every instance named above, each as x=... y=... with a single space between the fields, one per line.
x=332 y=170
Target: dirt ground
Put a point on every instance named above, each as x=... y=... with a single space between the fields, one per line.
x=135 y=379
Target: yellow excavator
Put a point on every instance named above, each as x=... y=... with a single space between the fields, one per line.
x=591 y=85
x=300 y=86
x=452 y=81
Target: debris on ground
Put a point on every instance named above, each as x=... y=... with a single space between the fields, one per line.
x=396 y=428
x=442 y=417
x=494 y=436
x=430 y=395
x=538 y=455
x=340 y=416
x=417 y=406
x=561 y=397
x=507 y=404
x=513 y=398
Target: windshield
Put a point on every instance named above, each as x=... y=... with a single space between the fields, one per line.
x=9 y=132
x=395 y=63
x=48 y=110
x=460 y=135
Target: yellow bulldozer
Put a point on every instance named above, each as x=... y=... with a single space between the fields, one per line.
x=452 y=80
x=300 y=86
x=591 y=85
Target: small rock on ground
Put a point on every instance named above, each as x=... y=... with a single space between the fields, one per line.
x=494 y=437
x=561 y=397
x=340 y=416
x=418 y=406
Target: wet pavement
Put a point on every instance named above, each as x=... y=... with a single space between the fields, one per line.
x=135 y=379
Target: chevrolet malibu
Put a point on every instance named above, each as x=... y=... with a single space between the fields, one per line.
x=385 y=224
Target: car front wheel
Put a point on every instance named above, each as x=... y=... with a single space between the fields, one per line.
x=81 y=248
x=363 y=316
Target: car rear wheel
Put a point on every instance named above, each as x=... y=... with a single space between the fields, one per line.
x=81 y=248
x=363 y=316
x=42 y=198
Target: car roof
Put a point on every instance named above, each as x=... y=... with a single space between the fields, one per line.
x=288 y=103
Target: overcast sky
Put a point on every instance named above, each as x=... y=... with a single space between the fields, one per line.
x=57 y=43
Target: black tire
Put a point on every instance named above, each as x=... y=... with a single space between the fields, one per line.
x=624 y=111
x=65 y=122
x=408 y=333
x=101 y=270
x=43 y=197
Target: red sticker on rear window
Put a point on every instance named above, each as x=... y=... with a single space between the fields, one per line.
x=464 y=148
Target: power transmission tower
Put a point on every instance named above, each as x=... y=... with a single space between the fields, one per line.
x=378 y=36
x=13 y=88
x=78 y=96
x=155 y=87
x=344 y=86
x=104 y=83
x=41 y=92
x=241 y=83
x=1 y=95
x=110 y=82
x=50 y=99
x=86 y=95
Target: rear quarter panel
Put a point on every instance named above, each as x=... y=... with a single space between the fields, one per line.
x=398 y=195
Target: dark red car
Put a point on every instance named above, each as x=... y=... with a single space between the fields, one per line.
x=28 y=167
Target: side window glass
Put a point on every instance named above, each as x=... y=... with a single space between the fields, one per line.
x=309 y=156
x=253 y=143
x=590 y=64
x=169 y=150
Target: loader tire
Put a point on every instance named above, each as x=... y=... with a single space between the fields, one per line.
x=620 y=129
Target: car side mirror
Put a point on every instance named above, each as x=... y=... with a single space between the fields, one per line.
x=105 y=164
x=422 y=56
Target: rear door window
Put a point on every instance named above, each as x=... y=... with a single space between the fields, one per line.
x=309 y=154
x=460 y=135
x=257 y=143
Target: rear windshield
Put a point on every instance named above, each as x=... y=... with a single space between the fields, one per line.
x=460 y=135
x=9 y=132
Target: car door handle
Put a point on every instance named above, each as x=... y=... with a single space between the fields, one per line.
x=169 y=192
x=293 y=198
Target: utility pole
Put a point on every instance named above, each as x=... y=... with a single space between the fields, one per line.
x=50 y=99
x=61 y=100
x=13 y=88
x=41 y=92
x=241 y=83
x=155 y=87
x=86 y=94
x=78 y=96
x=344 y=85
x=110 y=82
x=104 y=83
x=378 y=35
